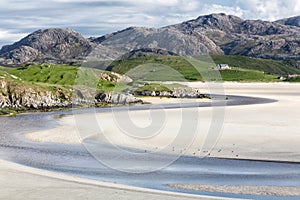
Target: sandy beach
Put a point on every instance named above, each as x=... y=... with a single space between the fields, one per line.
x=19 y=182
x=255 y=132
x=259 y=132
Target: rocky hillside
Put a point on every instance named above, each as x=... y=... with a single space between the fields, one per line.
x=253 y=38
x=48 y=45
x=293 y=21
x=15 y=93
x=213 y=34
x=170 y=39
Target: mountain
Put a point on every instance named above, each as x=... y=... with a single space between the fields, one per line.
x=209 y=34
x=47 y=45
x=170 y=39
x=253 y=38
x=293 y=21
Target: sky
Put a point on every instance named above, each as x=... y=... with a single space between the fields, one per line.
x=18 y=18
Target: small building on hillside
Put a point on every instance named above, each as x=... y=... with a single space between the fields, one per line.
x=223 y=67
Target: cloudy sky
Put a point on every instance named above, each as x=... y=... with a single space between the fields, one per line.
x=97 y=17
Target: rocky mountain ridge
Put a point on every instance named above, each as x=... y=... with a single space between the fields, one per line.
x=253 y=38
x=292 y=21
x=54 y=45
x=209 y=34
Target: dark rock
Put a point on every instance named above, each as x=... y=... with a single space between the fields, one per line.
x=116 y=98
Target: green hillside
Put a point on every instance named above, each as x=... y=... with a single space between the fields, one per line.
x=174 y=68
x=46 y=73
x=275 y=67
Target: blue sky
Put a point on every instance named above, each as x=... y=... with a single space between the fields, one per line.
x=97 y=17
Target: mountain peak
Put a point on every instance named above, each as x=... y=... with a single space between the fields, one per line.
x=51 y=45
x=216 y=33
x=292 y=21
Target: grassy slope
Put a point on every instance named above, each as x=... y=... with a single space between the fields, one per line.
x=46 y=73
x=268 y=66
x=172 y=68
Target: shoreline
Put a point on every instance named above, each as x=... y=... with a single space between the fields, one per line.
x=77 y=187
x=231 y=144
x=260 y=132
x=10 y=112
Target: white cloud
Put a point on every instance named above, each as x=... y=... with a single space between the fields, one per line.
x=269 y=9
x=214 y=8
x=97 y=17
x=9 y=36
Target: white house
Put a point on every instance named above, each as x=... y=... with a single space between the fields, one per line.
x=222 y=67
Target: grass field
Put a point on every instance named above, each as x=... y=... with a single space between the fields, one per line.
x=173 y=68
x=46 y=73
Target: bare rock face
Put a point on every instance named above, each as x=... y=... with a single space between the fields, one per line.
x=15 y=95
x=47 y=45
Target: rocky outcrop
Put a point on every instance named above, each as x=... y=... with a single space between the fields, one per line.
x=116 y=98
x=184 y=92
x=16 y=95
x=115 y=77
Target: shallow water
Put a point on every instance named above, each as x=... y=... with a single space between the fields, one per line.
x=76 y=160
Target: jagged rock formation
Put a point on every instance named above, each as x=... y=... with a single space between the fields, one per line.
x=210 y=34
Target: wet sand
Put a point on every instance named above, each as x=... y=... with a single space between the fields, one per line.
x=245 y=190
x=267 y=132
x=20 y=182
